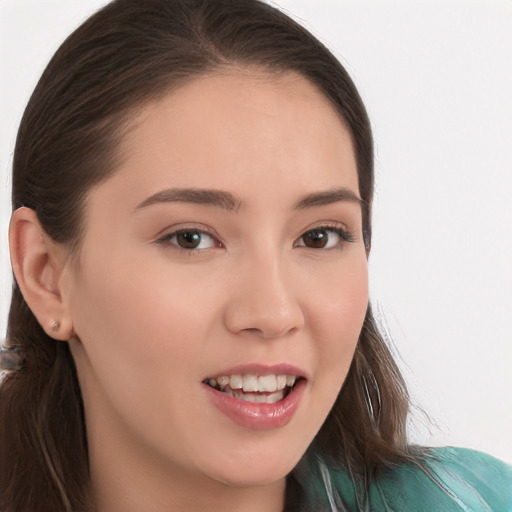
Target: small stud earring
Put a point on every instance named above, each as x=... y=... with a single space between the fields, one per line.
x=55 y=326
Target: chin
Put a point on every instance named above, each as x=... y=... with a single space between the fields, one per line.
x=254 y=475
x=242 y=480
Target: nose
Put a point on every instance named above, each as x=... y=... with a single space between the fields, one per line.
x=264 y=302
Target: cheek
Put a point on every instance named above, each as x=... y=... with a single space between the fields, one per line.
x=340 y=317
x=342 y=299
x=134 y=299
x=135 y=325
x=141 y=345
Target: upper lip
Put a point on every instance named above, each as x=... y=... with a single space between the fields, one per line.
x=261 y=369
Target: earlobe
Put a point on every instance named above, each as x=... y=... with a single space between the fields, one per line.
x=38 y=263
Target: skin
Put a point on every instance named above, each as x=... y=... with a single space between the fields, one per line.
x=149 y=321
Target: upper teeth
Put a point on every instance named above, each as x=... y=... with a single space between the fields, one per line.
x=254 y=383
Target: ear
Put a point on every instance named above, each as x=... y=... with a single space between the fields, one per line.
x=38 y=263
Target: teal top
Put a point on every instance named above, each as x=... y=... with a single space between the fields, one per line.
x=450 y=480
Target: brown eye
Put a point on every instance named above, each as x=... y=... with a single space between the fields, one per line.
x=324 y=238
x=316 y=238
x=190 y=239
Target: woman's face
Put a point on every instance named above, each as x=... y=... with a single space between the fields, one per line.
x=227 y=251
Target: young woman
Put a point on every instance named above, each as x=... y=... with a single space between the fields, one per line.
x=190 y=327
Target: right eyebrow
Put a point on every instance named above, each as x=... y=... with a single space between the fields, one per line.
x=211 y=197
x=326 y=197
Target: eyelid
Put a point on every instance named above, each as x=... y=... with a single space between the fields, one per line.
x=330 y=225
x=187 y=226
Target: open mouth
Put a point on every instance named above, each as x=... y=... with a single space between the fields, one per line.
x=255 y=388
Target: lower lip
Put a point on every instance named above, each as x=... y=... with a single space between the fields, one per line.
x=258 y=416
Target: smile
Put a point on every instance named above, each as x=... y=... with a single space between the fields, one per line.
x=254 y=388
x=258 y=397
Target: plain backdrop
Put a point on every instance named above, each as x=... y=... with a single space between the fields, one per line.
x=436 y=78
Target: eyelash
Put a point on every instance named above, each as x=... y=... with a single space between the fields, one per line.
x=344 y=235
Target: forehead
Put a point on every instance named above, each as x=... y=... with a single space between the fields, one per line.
x=236 y=130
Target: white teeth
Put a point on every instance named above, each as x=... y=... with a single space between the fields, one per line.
x=265 y=399
x=275 y=397
x=253 y=383
x=267 y=383
x=235 y=382
x=290 y=380
x=250 y=383
x=281 y=382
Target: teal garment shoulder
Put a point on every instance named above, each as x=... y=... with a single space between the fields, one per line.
x=450 y=480
x=454 y=480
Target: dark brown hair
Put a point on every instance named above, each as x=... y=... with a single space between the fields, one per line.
x=130 y=53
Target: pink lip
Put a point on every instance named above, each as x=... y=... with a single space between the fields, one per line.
x=258 y=416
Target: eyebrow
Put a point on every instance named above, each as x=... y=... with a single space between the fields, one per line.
x=227 y=201
x=323 y=198
x=218 y=198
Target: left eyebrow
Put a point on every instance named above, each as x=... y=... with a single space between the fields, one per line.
x=328 y=197
x=209 y=197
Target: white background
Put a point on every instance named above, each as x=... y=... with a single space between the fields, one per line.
x=437 y=81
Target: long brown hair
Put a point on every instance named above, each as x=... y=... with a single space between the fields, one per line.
x=126 y=55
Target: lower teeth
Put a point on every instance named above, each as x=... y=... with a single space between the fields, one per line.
x=271 y=398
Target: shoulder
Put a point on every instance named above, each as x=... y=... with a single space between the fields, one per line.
x=449 y=479
x=442 y=480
